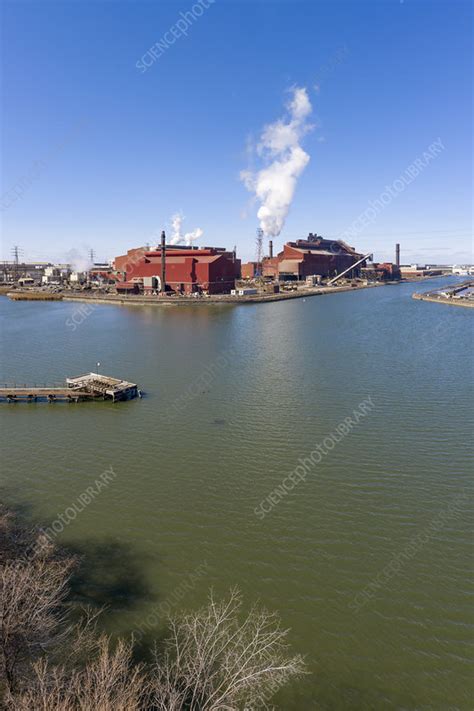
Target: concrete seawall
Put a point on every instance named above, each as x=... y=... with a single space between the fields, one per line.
x=443 y=300
x=184 y=301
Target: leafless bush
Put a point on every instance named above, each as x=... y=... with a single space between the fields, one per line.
x=31 y=610
x=214 y=662
x=110 y=682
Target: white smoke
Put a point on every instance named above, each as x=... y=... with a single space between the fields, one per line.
x=190 y=237
x=177 y=237
x=274 y=185
x=176 y=222
x=78 y=261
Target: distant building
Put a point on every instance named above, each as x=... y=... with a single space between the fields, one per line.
x=187 y=270
x=414 y=271
x=381 y=271
x=56 y=274
x=125 y=262
x=312 y=256
x=462 y=270
x=78 y=277
x=102 y=275
x=11 y=271
x=249 y=270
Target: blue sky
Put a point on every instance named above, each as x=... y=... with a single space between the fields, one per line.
x=98 y=153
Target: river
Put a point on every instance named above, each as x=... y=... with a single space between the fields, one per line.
x=367 y=559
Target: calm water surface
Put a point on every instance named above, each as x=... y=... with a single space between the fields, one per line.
x=188 y=481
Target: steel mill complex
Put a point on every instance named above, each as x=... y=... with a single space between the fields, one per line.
x=214 y=270
x=175 y=269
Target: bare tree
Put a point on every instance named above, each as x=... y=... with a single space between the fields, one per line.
x=214 y=662
x=109 y=682
x=31 y=610
x=33 y=585
x=112 y=682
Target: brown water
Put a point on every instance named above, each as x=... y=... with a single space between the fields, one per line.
x=179 y=517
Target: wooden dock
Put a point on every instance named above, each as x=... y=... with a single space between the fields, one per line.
x=33 y=394
x=91 y=386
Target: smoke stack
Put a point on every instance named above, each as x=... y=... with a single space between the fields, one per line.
x=163 y=262
x=397 y=254
x=270 y=248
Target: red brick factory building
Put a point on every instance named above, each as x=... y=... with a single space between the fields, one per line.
x=187 y=270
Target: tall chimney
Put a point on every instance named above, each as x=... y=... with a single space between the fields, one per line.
x=397 y=254
x=163 y=262
x=270 y=248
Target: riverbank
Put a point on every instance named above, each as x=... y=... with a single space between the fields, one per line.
x=451 y=297
x=140 y=300
x=441 y=300
x=176 y=301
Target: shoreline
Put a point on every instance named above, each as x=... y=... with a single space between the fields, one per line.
x=141 y=300
x=443 y=300
x=449 y=296
x=180 y=301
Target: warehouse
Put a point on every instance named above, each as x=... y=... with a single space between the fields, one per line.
x=187 y=270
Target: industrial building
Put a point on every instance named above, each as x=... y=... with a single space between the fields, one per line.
x=414 y=271
x=56 y=274
x=315 y=258
x=11 y=272
x=307 y=257
x=250 y=270
x=182 y=269
x=381 y=271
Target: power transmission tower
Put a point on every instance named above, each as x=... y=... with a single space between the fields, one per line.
x=16 y=251
x=259 y=251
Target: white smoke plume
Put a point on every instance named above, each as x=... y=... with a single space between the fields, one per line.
x=279 y=147
x=78 y=261
x=190 y=237
x=177 y=237
x=176 y=221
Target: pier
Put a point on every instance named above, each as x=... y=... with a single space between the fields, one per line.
x=90 y=386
